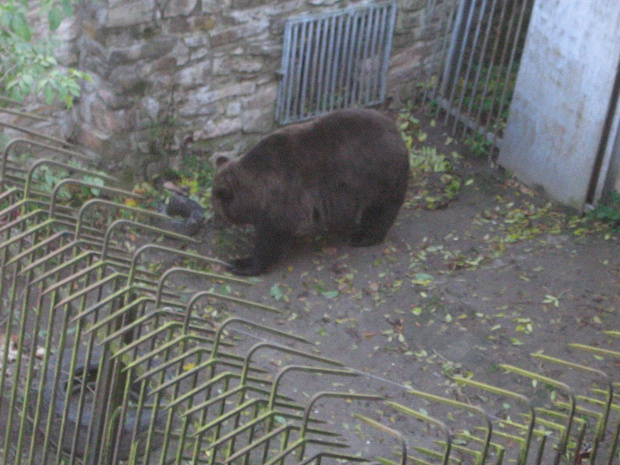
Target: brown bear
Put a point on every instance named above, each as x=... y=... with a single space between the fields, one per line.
x=346 y=171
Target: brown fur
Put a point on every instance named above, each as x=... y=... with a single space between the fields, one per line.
x=346 y=171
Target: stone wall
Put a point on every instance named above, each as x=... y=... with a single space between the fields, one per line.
x=202 y=68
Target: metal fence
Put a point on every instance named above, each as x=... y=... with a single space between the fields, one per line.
x=473 y=66
x=335 y=60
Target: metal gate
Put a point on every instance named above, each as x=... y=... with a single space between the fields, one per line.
x=473 y=66
x=335 y=60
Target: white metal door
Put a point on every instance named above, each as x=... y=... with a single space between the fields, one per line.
x=562 y=100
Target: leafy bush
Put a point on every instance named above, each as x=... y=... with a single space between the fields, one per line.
x=608 y=211
x=27 y=64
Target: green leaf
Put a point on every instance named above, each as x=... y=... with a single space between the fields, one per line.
x=19 y=25
x=330 y=294
x=67 y=8
x=422 y=278
x=48 y=94
x=276 y=292
x=55 y=17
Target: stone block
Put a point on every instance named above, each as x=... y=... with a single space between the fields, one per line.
x=243 y=4
x=228 y=35
x=153 y=49
x=260 y=120
x=213 y=129
x=179 y=25
x=233 y=109
x=207 y=96
x=129 y=80
x=407 y=5
x=179 y=7
x=197 y=40
x=167 y=65
x=194 y=75
x=221 y=66
x=126 y=12
x=97 y=141
x=323 y=2
x=264 y=96
x=214 y=6
x=191 y=108
x=112 y=100
x=245 y=65
x=111 y=122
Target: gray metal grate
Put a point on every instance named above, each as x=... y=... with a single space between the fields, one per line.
x=474 y=64
x=335 y=60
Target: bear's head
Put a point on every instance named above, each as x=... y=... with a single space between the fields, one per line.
x=246 y=188
x=230 y=196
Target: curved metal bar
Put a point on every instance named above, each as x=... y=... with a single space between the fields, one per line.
x=182 y=253
x=330 y=394
x=20 y=140
x=521 y=398
x=206 y=274
x=306 y=369
x=571 y=409
x=434 y=421
x=289 y=350
x=79 y=182
x=34 y=133
x=116 y=223
x=200 y=294
x=93 y=202
x=397 y=434
x=23 y=114
x=472 y=408
x=57 y=164
x=600 y=429
x=232 y=320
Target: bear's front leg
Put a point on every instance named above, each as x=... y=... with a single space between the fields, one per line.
x=268 y=247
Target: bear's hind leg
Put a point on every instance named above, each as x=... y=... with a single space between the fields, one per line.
x=268 y=247
x=374 y=225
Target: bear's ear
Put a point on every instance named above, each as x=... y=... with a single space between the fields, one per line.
x=223 y=194
x=220 y=161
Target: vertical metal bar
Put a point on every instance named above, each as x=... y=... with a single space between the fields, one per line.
x=337 y=26
x=509 y=71
x=501 y=66
x=391 y=23
x=299 y=61
x=328 y=68
x=292 y=57
x=448 y=72
x=472 y=54
x=284 y=74
x=491 y=64
x=462 y=40
x=614 y=444
x=314 y=71
x=323 y=71
x=375 y=62
x=348 y=75
x=481 y=63
x=346 y=45
x=441 y=52
x=361 y=81
x=306 y=52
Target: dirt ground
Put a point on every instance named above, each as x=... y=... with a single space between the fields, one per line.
x=494 y=275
